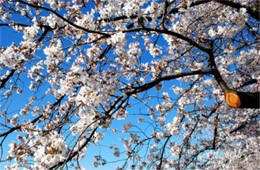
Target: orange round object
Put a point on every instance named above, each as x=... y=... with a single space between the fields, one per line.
x=232 y=99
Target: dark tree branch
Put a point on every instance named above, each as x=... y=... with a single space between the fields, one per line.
x=254 y=14
x=14 y=24
x=216 y=72
x=249 y=82
x=163 y=150
x=215 y=134
x=168 y=77
x=5 y=80
x=105 y=52
x=249 y=99
x=212 y=111
x=180 y=36
x=4 y=24
x=45 y=32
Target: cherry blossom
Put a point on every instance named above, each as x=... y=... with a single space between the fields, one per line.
x=150 y=84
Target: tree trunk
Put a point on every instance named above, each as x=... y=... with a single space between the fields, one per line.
x=237 y=99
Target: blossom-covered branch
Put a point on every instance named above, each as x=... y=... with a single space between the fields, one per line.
x=157 y=77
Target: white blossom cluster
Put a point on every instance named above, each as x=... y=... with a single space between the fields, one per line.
x=54 y=54
x=10 y=57
x=50 y=149
x=30 y=33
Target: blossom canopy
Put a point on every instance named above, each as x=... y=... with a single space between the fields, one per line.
x=174 y=83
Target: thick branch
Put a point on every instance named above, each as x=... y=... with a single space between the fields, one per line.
x=234 y=98
x=249 y=99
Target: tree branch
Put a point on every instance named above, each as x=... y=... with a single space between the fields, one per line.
x=64 y=19
x=45 y=32
x=168 y=77
x=180 y=36
x=254 y=14
x=5 y=80
x=163 y=150
x=234 y=98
